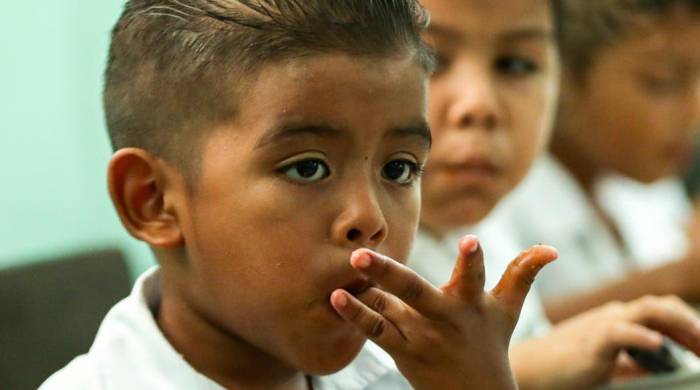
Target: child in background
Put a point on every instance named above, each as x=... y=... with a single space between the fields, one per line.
x=630 y=102
x=268 y=151
x=491 y=106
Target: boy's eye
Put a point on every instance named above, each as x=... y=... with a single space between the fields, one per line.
x=515 y=66
x=307 y=171
x=401 y=171
x=661 y=85
x=442 y=62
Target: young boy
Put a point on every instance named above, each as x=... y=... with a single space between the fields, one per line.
x=492 y=100
x=630 y=103
x=268 y=151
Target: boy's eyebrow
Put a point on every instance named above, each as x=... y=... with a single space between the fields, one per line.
x=526 y=34
x=445 y=31
x=278 y=134
x=420 y=130
x=516 y=34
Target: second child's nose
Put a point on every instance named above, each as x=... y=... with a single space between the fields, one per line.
x=475 y=102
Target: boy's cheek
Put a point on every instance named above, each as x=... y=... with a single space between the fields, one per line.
x=403 y=225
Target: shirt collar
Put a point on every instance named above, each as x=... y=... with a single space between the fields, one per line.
x=551 y=193
x=130 y=348
x=368 y=369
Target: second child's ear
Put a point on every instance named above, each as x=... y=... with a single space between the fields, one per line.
x=141 y=187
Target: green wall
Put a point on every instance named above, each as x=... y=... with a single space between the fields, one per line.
x=54 y=148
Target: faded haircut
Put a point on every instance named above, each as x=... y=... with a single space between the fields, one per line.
x=176 y=67
x=587 y=26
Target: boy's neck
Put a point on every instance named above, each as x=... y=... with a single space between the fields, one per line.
x=584 y=171
x=219 y=355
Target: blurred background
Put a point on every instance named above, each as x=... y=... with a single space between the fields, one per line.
x=54 y=145
x=64 y=257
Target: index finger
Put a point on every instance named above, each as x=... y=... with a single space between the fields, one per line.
x=468 y=276
x=399 y=280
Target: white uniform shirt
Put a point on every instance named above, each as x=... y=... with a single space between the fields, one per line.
x=434 y=260
x=551 y=207
x=130 y=352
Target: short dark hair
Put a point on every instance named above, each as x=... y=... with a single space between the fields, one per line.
x=174 y=65
x=587 y=26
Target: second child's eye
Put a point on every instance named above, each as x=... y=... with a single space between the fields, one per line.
x=515 y=66
x=307 y=171
x=661 y=85
x=401 y=171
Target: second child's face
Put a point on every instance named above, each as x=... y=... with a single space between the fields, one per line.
x=637 y=107
x=322 y=160
x=491 y=103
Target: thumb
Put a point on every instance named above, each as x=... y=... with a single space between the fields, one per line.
x=515 y=283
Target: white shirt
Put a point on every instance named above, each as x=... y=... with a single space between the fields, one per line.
x=652 y=218
x=130 y=352
x=550 y=207
x=434 y=260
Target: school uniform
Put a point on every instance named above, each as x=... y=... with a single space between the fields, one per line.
x=130 y=352
x=435 y=259
x=551 y=207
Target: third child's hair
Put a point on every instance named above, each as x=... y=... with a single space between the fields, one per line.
x=587 y=26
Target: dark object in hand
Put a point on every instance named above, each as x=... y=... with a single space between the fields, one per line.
x=659 y=361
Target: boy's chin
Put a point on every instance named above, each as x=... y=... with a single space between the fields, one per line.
x=465 y=212
x=330 y=359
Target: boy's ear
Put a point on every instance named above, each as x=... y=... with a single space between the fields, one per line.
x=141 y=186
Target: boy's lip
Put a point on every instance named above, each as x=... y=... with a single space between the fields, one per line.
x=357 y=286
x=472 y=169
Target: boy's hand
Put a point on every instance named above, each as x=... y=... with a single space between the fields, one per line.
x=586 y=350
x=454 y=337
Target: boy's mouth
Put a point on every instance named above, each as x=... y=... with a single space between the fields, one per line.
x=358 y=286
x=471 y=171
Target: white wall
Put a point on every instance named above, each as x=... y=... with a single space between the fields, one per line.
x=53 y=145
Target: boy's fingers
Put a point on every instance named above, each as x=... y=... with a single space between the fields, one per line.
x=626 y=368
x=515 y=283
x=629 y=335
x=372 y=324
x=386 y=305
x=398 y=280
x=468 y=276
x=670 y=316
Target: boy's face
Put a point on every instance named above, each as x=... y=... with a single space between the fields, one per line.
x=635 y=110
x=491 y=103
x=321 y=160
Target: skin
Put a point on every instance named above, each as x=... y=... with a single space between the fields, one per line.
x=634 y=113
x=321 y=161
x=491 y=104
x=475 y=109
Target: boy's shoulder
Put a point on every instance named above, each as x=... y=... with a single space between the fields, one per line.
x=80 y=373
x=130 y=351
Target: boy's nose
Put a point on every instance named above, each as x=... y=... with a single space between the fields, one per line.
x=475 y=102
x=361 y=222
